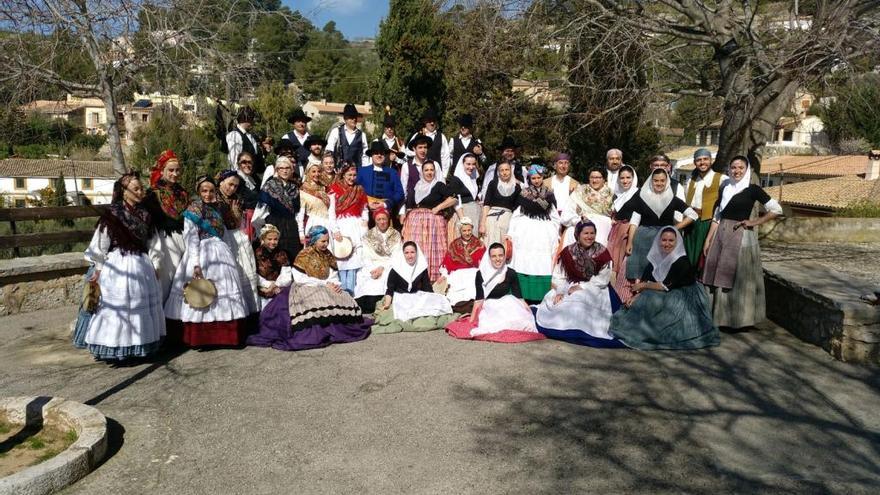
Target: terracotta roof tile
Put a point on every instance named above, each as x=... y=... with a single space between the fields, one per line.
x=827 y=166
x=49 y=168
x=836 y=192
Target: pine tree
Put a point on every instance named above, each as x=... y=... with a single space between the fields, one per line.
x=412 y=59
x=60 y=192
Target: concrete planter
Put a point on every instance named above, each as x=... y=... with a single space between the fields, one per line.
x=67 y=467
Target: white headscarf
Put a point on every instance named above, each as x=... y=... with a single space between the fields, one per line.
x=662 y=261
x=624 y=195
x=505 y=189
x=657 y=202
x=491 y=276
x=406 y=271
x=731 y=187
x=423 y=188
x=469 y=182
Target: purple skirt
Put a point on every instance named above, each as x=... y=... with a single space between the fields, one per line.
x=275 y=330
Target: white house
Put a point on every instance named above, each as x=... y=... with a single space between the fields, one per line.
x=22 y=179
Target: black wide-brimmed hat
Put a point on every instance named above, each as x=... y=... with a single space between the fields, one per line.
x=389 y=121
x=285 y=145
x=507 y=142
x=466 y=120
x=312 y=139
x=246 y=114
x=429 y=115
x=350 y=111
x=377 y=147
x=419 y=139
x=297 y=115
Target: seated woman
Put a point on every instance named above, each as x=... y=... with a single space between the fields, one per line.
x=410 y=305
x=459 y=266
x=379 y=244
x=314 y=311
x=222 y=323
x=128 y=321
x=273 y=265
x=579 y=306
x=500 y=314
x=670 y=309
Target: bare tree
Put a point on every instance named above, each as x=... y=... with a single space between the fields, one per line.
x=127 y=44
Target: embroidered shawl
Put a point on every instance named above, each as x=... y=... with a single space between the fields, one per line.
x=207 y=217
x=128 y=227
x=315 y=263
x=462 y=251
x=381 y=244
x=580 y=263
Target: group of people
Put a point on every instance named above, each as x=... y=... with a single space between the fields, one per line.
x=337 y=239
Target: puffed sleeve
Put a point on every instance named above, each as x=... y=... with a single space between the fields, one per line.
x=191 y=241
x=98 y=248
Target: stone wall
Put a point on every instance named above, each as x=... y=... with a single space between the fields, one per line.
x=41 y=282
x=821 y=229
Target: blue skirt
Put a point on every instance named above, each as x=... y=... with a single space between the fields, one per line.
x=583 y=338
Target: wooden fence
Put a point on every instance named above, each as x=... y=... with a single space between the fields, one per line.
x=16 y=240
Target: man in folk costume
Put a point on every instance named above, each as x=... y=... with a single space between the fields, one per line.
x=701 y=193
x=509 y=149
x=347 y=141
x=438 y=150
x=613 y=162
x=298 y=136
x=391 y=140
x=465 y=142
x=380 y=181
x=411 y=171
x=315 y=146
x=240 y=139
x=662 y=161
x=561 y=183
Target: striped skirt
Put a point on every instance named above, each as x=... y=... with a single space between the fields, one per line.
x=319 y=305
x=743 y=304
x=429 y=232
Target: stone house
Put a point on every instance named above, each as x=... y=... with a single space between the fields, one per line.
x=22 y=179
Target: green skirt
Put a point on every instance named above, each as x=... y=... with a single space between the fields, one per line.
x=695 y=238
x=678 y=319
x=384 y=322
x=534 y=287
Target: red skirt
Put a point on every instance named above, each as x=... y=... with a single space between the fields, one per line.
x=429 y=232
x=215 y=333
x=246 y=224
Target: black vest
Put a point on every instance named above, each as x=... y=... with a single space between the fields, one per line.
x=350 y=152
x=259 y=160
x=436 y=147
x=413 y=177
x=301 y=153
x=459 y=149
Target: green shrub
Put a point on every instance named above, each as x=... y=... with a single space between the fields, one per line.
x=860 y=209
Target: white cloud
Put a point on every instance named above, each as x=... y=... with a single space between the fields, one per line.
x=340 y=6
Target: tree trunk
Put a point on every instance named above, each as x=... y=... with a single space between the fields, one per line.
x=114 y=140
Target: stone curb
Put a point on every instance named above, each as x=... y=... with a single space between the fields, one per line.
x=67 y=467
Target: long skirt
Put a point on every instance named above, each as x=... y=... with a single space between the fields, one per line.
x=385 y=322
x=582 y=318
x=678 y=319
x=411 y=306
x=289 y=239
x=534 y=241
x=622 y=285
x=429 y=232
x=247 y=267
x=723 y=257
x=638 y=260
x=498 y=320
x=472 y=210
x=128 y=321
x=246 y=224
x=744 y=304
x=497 y=223
x=223 y=322
x=617 y=244
x=695 y=238
x=534 y=287
x=461 y=285
x=171 y=248
x=317 y=327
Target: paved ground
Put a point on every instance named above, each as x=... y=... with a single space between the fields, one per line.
x=423 y=413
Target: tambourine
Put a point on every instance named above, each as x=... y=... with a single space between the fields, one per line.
x=200 y=293
x=341 y=249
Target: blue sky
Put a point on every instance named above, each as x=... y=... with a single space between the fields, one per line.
x=355 y=18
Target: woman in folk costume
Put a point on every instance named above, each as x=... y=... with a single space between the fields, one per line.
x=578 y=309
x=207 y=256
x=425 y=223
x=670 y=310
x=463 y=186
x=314 y=201
x=459 y=267
x=273 y=265
x=248 y=191
x=500 y=314
x=229 y=203
x=128 y=321
x=166 y=203
x=280 y=196
x=379 y=243
x=500 y=201
x=649 y=211
x=591 y=201
x=733 y=258
x=328 y=169
x=702 y=194
x=314 y=311
x=410 y=304
x=534 y=233
x=349 y=220
x=626 y=188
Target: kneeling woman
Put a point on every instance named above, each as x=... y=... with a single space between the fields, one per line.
x=670 y=309
x=128 y=321
x=314 y=311
x=500 y=314
x=579 y=307
x=222 y=322
x=410 y=304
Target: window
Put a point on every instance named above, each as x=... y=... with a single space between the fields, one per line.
x=788 y=136
x=144 y=118
x=20 y=183
x=95 y=119
x=20 y=203
x=87 y=184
